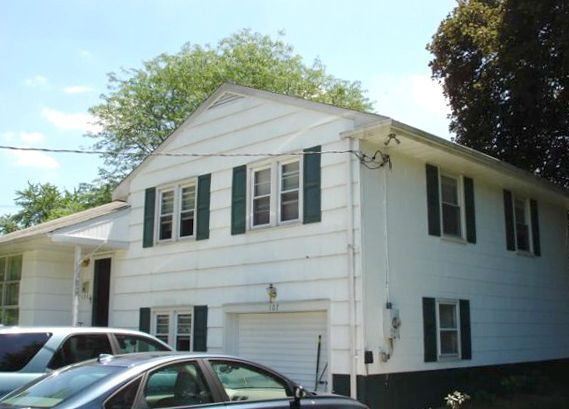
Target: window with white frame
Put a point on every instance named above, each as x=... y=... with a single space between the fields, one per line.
x=275 y=193
x=448 y=329
x=289 y=191
x=522 y=226
x=173 y=326
x=261 y=200
x=177 y=211
x=10 y=275
x=451 y=206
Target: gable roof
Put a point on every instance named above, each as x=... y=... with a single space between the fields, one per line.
x=363 y=122
x=230 y=92
x=66 y=221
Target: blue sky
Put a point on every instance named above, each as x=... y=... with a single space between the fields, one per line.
x=55 y=56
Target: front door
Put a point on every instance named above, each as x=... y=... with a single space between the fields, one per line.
x=101 y=290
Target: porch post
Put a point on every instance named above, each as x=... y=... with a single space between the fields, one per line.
x=76 y=286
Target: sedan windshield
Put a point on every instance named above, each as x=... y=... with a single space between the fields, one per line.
x=16 y=350
x=59 y=387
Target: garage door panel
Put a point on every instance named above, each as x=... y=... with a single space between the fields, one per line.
x=287 y=342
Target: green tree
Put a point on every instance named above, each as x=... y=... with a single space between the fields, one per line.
x=143 y=106
x=39 y=203
x=504 y=67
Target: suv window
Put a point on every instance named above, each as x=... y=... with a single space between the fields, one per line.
x=79 y=348
x=134 y=343
x=16 y=350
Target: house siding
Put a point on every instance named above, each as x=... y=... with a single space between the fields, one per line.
x=305 y=262
x=46 y=293
x=518 y=304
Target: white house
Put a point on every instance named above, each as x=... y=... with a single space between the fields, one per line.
x=347 y=250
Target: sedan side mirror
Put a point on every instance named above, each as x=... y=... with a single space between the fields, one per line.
x=299 y=393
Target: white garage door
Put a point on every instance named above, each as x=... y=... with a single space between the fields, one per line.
x=287 y=342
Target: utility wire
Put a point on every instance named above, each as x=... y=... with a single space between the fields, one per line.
x=376 y=161
x=175 y=154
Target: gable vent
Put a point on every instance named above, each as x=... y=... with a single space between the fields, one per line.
x=225 y=99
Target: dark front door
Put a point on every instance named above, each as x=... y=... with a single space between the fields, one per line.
x=101 y=289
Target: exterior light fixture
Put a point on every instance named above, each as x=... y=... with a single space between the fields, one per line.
x=272 y=292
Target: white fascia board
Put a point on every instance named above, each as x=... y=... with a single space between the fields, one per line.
x=87 y=241
x=384 y=128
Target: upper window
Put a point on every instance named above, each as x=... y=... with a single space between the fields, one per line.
x=275 y=194
x=521 y=215
x=10 y=275
x=176 y=212
x=174 y=327
x=522 y=226
x=451 y=206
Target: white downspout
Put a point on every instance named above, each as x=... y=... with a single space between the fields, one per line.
x=351 y=273
x=76 y=286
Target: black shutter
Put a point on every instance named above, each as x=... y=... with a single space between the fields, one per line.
x=469 y=210
x=144 y=320
x=429 y=329
x=465 y=336
x=202 y=228
x=200 y=328
x=239 y=200
x=433 y=205
x=149 y=211
x=311 y=185
x=509 y=217
x=535 y=228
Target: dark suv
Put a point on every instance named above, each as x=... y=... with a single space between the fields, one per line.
x=28 y=352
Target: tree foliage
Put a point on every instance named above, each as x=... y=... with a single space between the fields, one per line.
x=43 y=202
x=504 y=67
x=143 y=106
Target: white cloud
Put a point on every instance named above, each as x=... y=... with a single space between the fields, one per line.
x=36 y=81
x=78 y=89
x=23 y=137
x=9 y=137
x=85 y=54
x=78 y=121
x=414 y=99
x=28 y=159
x=34 y=159
x=32 y=137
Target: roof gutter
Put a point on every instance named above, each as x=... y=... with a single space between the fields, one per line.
x=428 y=139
